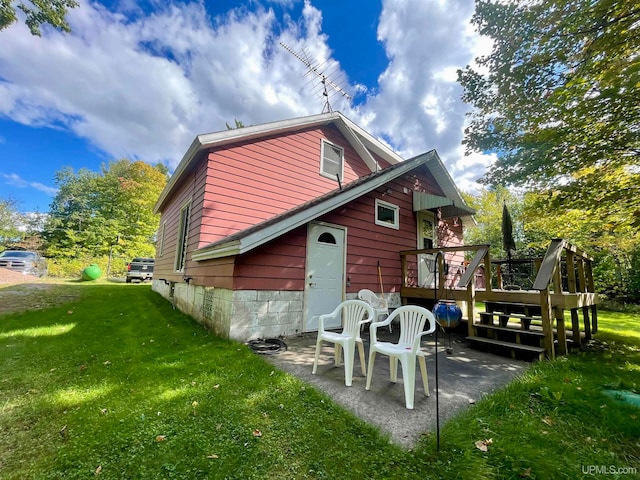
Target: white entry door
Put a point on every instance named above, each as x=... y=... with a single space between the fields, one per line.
x=324 y=286
x=426 y=239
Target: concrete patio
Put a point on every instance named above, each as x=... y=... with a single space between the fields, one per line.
x=464 y=377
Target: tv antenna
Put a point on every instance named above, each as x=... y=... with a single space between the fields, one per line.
x=314 y=69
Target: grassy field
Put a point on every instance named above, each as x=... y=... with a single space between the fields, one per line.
x=112 y=382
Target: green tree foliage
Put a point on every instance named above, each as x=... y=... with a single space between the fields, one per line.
x=238 y=123
x=10 y=221
x=558 y=100
x=37 y=12
x=604 y=228
x=19 y=230
x=488 y=228
x=110 y=211
x=559 y=92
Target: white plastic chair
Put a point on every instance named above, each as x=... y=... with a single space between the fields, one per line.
x=412 y=322
x=354 y=313
x=380 y=305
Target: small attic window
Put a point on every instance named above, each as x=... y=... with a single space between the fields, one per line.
x=332 y=160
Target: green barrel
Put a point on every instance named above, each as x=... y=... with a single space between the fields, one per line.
x=92 y=272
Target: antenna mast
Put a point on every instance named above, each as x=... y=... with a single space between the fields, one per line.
x=313 y=68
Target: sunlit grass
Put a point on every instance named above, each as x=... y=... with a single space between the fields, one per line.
x=73 y=396
x=49 y=331
x=134 y=389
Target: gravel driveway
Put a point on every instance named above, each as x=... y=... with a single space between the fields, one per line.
x=19 y=292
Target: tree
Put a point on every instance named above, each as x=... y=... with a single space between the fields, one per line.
x=37 y=12
x=559 y=92
x=239 y=124
x=605 y=228
x=97 y=213
x=10 y=221
x=489 y=206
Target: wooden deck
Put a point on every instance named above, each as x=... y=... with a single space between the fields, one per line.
x=563 y=282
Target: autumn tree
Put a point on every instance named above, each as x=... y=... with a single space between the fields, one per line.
x=95 y=212
x=37 y=12
x=558 y=97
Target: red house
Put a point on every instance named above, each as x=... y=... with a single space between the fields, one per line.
x=264 y=228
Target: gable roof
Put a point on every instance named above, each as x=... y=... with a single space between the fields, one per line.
x=361 y=141
x=261 y=233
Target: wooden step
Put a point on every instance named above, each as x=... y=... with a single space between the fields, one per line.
x=531 y=333
x=503 y=318
x=509 y=307
x=510 y=335
x=530 y=350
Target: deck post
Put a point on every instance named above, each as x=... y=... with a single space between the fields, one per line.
x=545 y=307
x=587 y=323
x=487 y=272
x=575 y=327
x=591 y=288
x=471 y=308
x=562 y=334
x=571 y=282
x=403 y=266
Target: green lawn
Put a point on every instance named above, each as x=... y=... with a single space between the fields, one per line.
x=116 y=383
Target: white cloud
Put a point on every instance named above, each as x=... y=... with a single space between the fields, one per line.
x=142 y=86
x=17 y=181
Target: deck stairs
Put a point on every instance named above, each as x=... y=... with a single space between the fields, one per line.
x=513 y=329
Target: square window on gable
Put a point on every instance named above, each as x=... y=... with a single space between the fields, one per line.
x=387 y=214
x=331 y=161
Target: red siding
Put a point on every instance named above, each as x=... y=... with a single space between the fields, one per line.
x=236 y=187
x=280 y=264
x=191 y=190
x=249 y=183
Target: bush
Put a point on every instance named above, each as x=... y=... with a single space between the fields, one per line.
x=72 y=267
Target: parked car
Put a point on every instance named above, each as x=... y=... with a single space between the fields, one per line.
x=140 y=269
x=24 y=261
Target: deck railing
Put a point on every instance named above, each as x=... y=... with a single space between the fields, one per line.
x=564 y=281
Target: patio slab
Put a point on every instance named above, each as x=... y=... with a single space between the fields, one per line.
x=464 y=377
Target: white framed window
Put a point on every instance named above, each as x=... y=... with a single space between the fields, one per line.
x=387 y=214
x=161 y=239
x=331 y=161
x=183 y=237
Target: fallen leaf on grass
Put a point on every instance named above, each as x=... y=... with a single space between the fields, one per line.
x=257 y=433
x=483 y=445
x=213 y=456
x=69 y=312
x=107 y=362
x=526 y=473
x=98 y=470
x=547 y=420
x=161 y=438
x=217 y=385
x=103 y=411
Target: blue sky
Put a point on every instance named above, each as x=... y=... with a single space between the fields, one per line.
x=140 y=80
